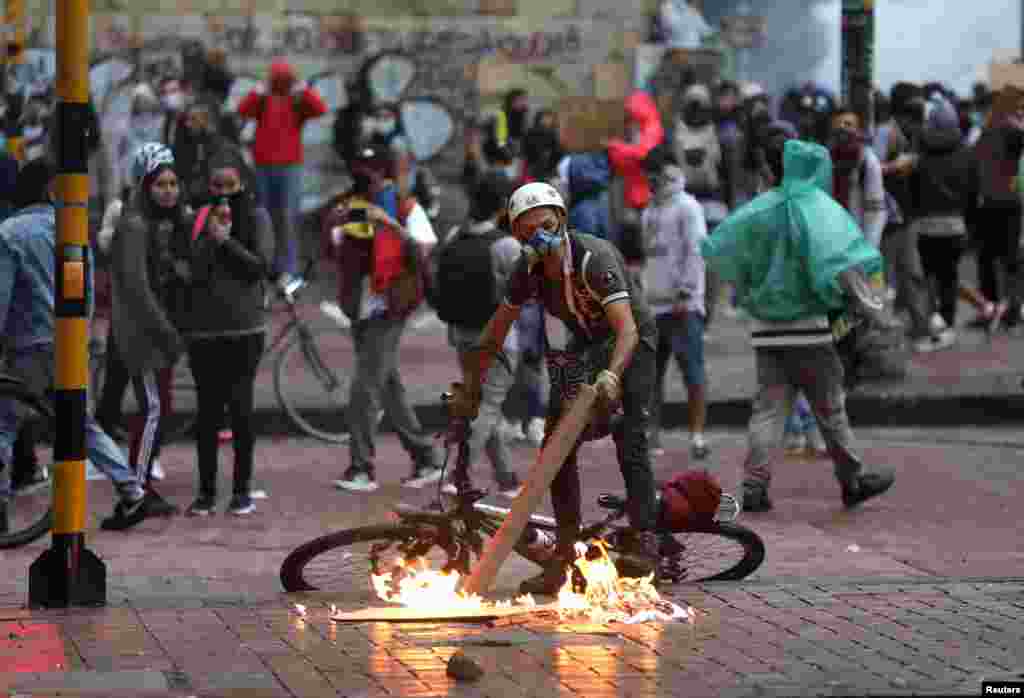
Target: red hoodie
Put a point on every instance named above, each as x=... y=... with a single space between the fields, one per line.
x=627 y=158
x=280 y=116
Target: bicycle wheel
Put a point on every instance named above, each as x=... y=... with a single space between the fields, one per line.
x=724 y=551
x=312 y=377
x=29 y=508
x=344 y=560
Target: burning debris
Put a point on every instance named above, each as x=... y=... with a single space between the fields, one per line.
x=607 y=597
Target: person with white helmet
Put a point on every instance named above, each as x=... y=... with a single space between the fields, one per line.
x=582 y=281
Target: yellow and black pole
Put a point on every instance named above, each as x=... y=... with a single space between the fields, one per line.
x=14 y=23
x=68 y=574
x=858 y=59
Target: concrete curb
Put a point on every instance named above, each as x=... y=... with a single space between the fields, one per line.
x=864 y=410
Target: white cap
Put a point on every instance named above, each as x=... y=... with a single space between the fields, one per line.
x=534 y=195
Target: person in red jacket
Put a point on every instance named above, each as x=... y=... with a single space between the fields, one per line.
x=280 y=111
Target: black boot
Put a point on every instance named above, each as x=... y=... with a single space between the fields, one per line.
x=640 y=555
x=552 y=579
x=864 y=487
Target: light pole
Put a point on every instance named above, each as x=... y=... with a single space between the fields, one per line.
x=69 y=574
x=858 y=58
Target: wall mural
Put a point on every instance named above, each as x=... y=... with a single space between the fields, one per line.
x=426 y=66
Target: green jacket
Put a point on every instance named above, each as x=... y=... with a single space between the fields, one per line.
x=784 y=250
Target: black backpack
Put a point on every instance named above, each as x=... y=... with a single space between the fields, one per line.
x=465 y=288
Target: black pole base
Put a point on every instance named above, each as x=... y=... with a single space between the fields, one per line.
x=68 y=574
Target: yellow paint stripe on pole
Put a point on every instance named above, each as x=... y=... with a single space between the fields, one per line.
x=69 y=509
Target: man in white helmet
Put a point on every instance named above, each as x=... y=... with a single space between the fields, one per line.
x=582 y=281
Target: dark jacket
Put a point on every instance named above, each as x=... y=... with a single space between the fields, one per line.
x=590 y=212
x=192 y=161
x=996 y=155
x=943 y=183
x=226 y=289
x=147 y=289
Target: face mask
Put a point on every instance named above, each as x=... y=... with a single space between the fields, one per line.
x=173 y=101
x=544 y=241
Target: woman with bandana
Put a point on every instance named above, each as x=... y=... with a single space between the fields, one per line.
x=582 y=281
x=230 y=253
x=148 y=281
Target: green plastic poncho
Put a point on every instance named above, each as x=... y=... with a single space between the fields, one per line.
x=785 y=249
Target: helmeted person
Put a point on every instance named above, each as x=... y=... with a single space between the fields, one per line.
x=610 y=342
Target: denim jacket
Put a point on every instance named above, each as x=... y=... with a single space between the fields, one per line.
x=27 y=247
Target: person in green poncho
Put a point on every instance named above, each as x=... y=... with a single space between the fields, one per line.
x=798 y=260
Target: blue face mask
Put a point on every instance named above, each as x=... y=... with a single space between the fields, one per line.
x=544 y=241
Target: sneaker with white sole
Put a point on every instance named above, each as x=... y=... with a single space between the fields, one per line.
x=423 y=476
x=699 y=448
x=936 y=324
x=357 y=480
x=535 y=431
x=156 y=471
x=241 y=505
x=943 y=340
x=257 y=492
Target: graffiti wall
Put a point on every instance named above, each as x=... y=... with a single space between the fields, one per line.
x=430 y=67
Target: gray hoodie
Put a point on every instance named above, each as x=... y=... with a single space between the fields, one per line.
x=674 y=226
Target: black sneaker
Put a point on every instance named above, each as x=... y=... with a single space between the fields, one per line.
x=203 y=506
x=29 y=479
x=864 y=487
x=241 y=505
x=755 y=497
x=158 y=506
x=126 y=514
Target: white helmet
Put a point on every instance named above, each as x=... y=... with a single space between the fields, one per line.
x=534 y=195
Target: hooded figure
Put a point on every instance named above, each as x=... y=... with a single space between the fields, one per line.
x=626 y=156
x=589 y=176
x=786 y=249
x=697 y=148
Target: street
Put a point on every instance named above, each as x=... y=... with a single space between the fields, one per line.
x=918 y=590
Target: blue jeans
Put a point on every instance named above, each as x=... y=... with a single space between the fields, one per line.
x=35 y=367
x=280 y=192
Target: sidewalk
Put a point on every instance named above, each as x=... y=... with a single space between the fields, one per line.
x=875 y=636
x=977 y=381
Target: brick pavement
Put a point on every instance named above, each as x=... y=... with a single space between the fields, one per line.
x=877 y=637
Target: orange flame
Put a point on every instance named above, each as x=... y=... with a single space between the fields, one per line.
x=609 y=598
x=416 y=585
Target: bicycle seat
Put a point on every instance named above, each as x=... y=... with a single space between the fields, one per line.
x=611 y=501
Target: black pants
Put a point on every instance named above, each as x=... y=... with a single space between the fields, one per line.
x=940 y=257
x=998 y=235
x=224 y=369
x=631 y=448
x=115 y=383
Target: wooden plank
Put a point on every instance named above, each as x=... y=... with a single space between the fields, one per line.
x=561 y=443
x=404 y=614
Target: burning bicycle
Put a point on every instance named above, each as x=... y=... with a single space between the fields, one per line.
x=441 y=543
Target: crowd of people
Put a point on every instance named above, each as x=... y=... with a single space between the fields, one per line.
x=595 y=267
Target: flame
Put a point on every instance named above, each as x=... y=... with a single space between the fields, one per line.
x=416 y=585
x=609 y=598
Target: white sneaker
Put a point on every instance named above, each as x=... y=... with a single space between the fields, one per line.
x=936 y=324
x=157 y=471
x=257 y=493
x=941 y=340
x=422 y=477
x=535 y=431
x=356 y=480
x=335 y=313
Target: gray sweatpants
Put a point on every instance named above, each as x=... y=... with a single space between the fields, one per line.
x=901 y=253
x=378 y=384
x=781 y=373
